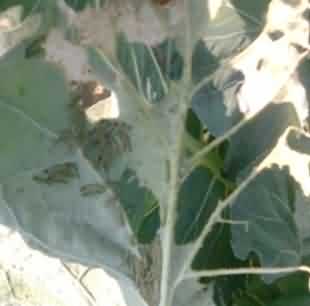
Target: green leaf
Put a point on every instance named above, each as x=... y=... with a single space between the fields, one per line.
x=267 y=225
x=141 y=66
x=300 y=143
x=302 y=215
x=148 y=157
x=151 y=127
x=304 y=72
x=293 y=284
x=257 y=291
x=169 y=59
x=214 y=100
x=140 y=206
x=302 y=300
x=30 y=106
x=215 y=103
x=204 y=62
x=233 y=29
x=27 y=5
x=79 y=5
x=266 y=208
x=258 y=137
x=251 y=11
x=252 y=290
x=199 y=195
x=42 y=177
x=103 y=67
x=193 y=126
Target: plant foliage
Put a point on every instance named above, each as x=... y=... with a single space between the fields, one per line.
x=207 y=162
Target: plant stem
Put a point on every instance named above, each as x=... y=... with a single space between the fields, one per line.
x=168 y=238
x=166 y=293
x=170 y=214
x=167 y=289
x=237 y=271
x=208 y=148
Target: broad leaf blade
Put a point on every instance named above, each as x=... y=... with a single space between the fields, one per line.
x=23 y=102
x=45 y=200
x=199 y=195
x=216 y=104
x=266 y=209
x=267 y=225
x=140 y=205
x=258 y=138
